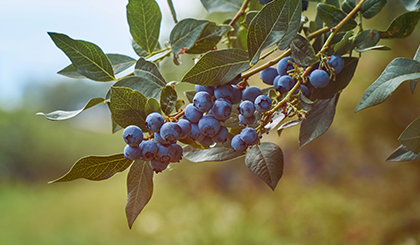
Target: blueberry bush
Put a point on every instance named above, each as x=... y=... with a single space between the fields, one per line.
x=224 y=117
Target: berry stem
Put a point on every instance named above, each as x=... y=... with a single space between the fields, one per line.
x=240 y=12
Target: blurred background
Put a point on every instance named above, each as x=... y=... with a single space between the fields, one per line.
x=335 y=190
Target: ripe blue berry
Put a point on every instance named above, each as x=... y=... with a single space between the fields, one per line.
x=202 y=101
x=133 y=135
x=170 y=132
x=246 y=108
x=224 y=91
x=148 y=150
x=246 y=121
x=158 y=166
x=165 y=153
x=221 y=136
x=337 y=63
x=177 y=153
x=208 y=125
x=268 y=75
x=251 y=93
x=221 y=110
x=208 y=89
x=195 y=133
x=283 y=66
x=132 y=152
x=319 y=78
x=159 y=139
x=154 y=121
x=249 y=136
x=237 y=143
x=206 y=141
x=262 y=103
x=284 y=83
x=185 y=127
x=192 y=114
x=305 y=90
x=236 y=94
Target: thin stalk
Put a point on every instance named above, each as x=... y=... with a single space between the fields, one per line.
x=240 y=12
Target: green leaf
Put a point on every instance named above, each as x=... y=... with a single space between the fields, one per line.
x=221 y=6
x=318 y=120
x=413 y=83
x=331 y=16
x=190 y=95
x=348 y=5
x=127 y=107
x=371 y=8
x=277 y=119
x=288 y=124
x=95 y=168
x=144 y=18
x=191 y=143
x=250 y=16
x=139 y=51
x=411 y=5
x=168 y=99
x=150 y=71
x=398 y=71
x=185 y=33
x=266 y=162
x=209 y=38
x=294 y=23
x=179 y=104
x=217 y=67
x=367 y=39
x=268 y=27
x=402 y=26
x=216 y=154
x=379 y=47
x=403 y=154
x=410 y=138
x=344 y=45
x=152 y=105
x=342 y=79
x=139 y=189
x=64 y=115
x=88 y=59
x=302 y=52
x=335 y=3
x=172 y=8
x=143 y=84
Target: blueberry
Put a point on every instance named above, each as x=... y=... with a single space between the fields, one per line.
x=148 y=150
x=133 y=135
x=246 y=108
x=159 y=139
x=319 y=78
x=246 y=120
x=337 y=63
x=249 y=136
x=262 y=103
x=237 y=143
x=224 y=91
x=305 y=90
x=206 y=141
x=177 y=153
x=195 y=133
x=154 y=121
x=268 y=75
x=132 y=152
x=284 y=83
x=192 y=114
x=208 y=125
x=236 y=94
x=165 y=153
x=158 y=166
x=284 y=65
x=208 y=89
x=185 y=127
x=221 y=110
x=251 y=93
x=202 y=101
x=221 y=136
x=170 y=132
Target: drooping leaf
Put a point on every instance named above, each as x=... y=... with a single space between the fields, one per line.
x=149 y=70
x=294 y=23
x=403 y=154
x=209 y=37
x=173 y=12
x=379 y=47
x=268 y=27
x=402 y=26
x=88 y=59
x=168 y=99
x=348 y=5
x=277 y=119
x=217 y=67
x=266 y=162
x=398 y=71
x=331 y=16
x=413 y=83
x=302 y=52
x=127 y=107
x=216 y=154
x=221 y=6
x=367 y=39
x=411 y=5
x=139 y=189
x=144 y=18
x=139 y=51
x=342 y=79
x=410 y=138
x=95 y=168
x=318 y=120
x=143 y=84
x=64 y=115
x=288 y=124
x=179 y=104
x=152 y=105
x=371 y=8
x=185 y=33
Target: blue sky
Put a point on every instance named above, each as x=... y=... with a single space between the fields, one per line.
x=27 y=54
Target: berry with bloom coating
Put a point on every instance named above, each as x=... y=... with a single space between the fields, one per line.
x=237 y=143
x=158 y=166
x=221 y=136
x=221 y=110
x=195 y=133
x=251 y=93
x=177 y=153
x=336 y=62
x=305 y=90
x=208 y=125
x=164 y=153
x=185 y=126
x=246 y=121
x=206 y=141
x=284 y=83
x=267 y=75
x=208 y=89
x=249 y=136
x=202 y=101
x=285 y=65
x=133 y=135
x=170 y=132
x=246 y=108
x=148 y=150
x=224 y=91
x=132 y=152
x=319 y=78
x=262 y=103
x=159 y=139
x=154 y=121
x=236 y=94
x=192 y=114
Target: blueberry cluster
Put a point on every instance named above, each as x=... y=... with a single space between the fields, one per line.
x=283 y=82
x=163 y=149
